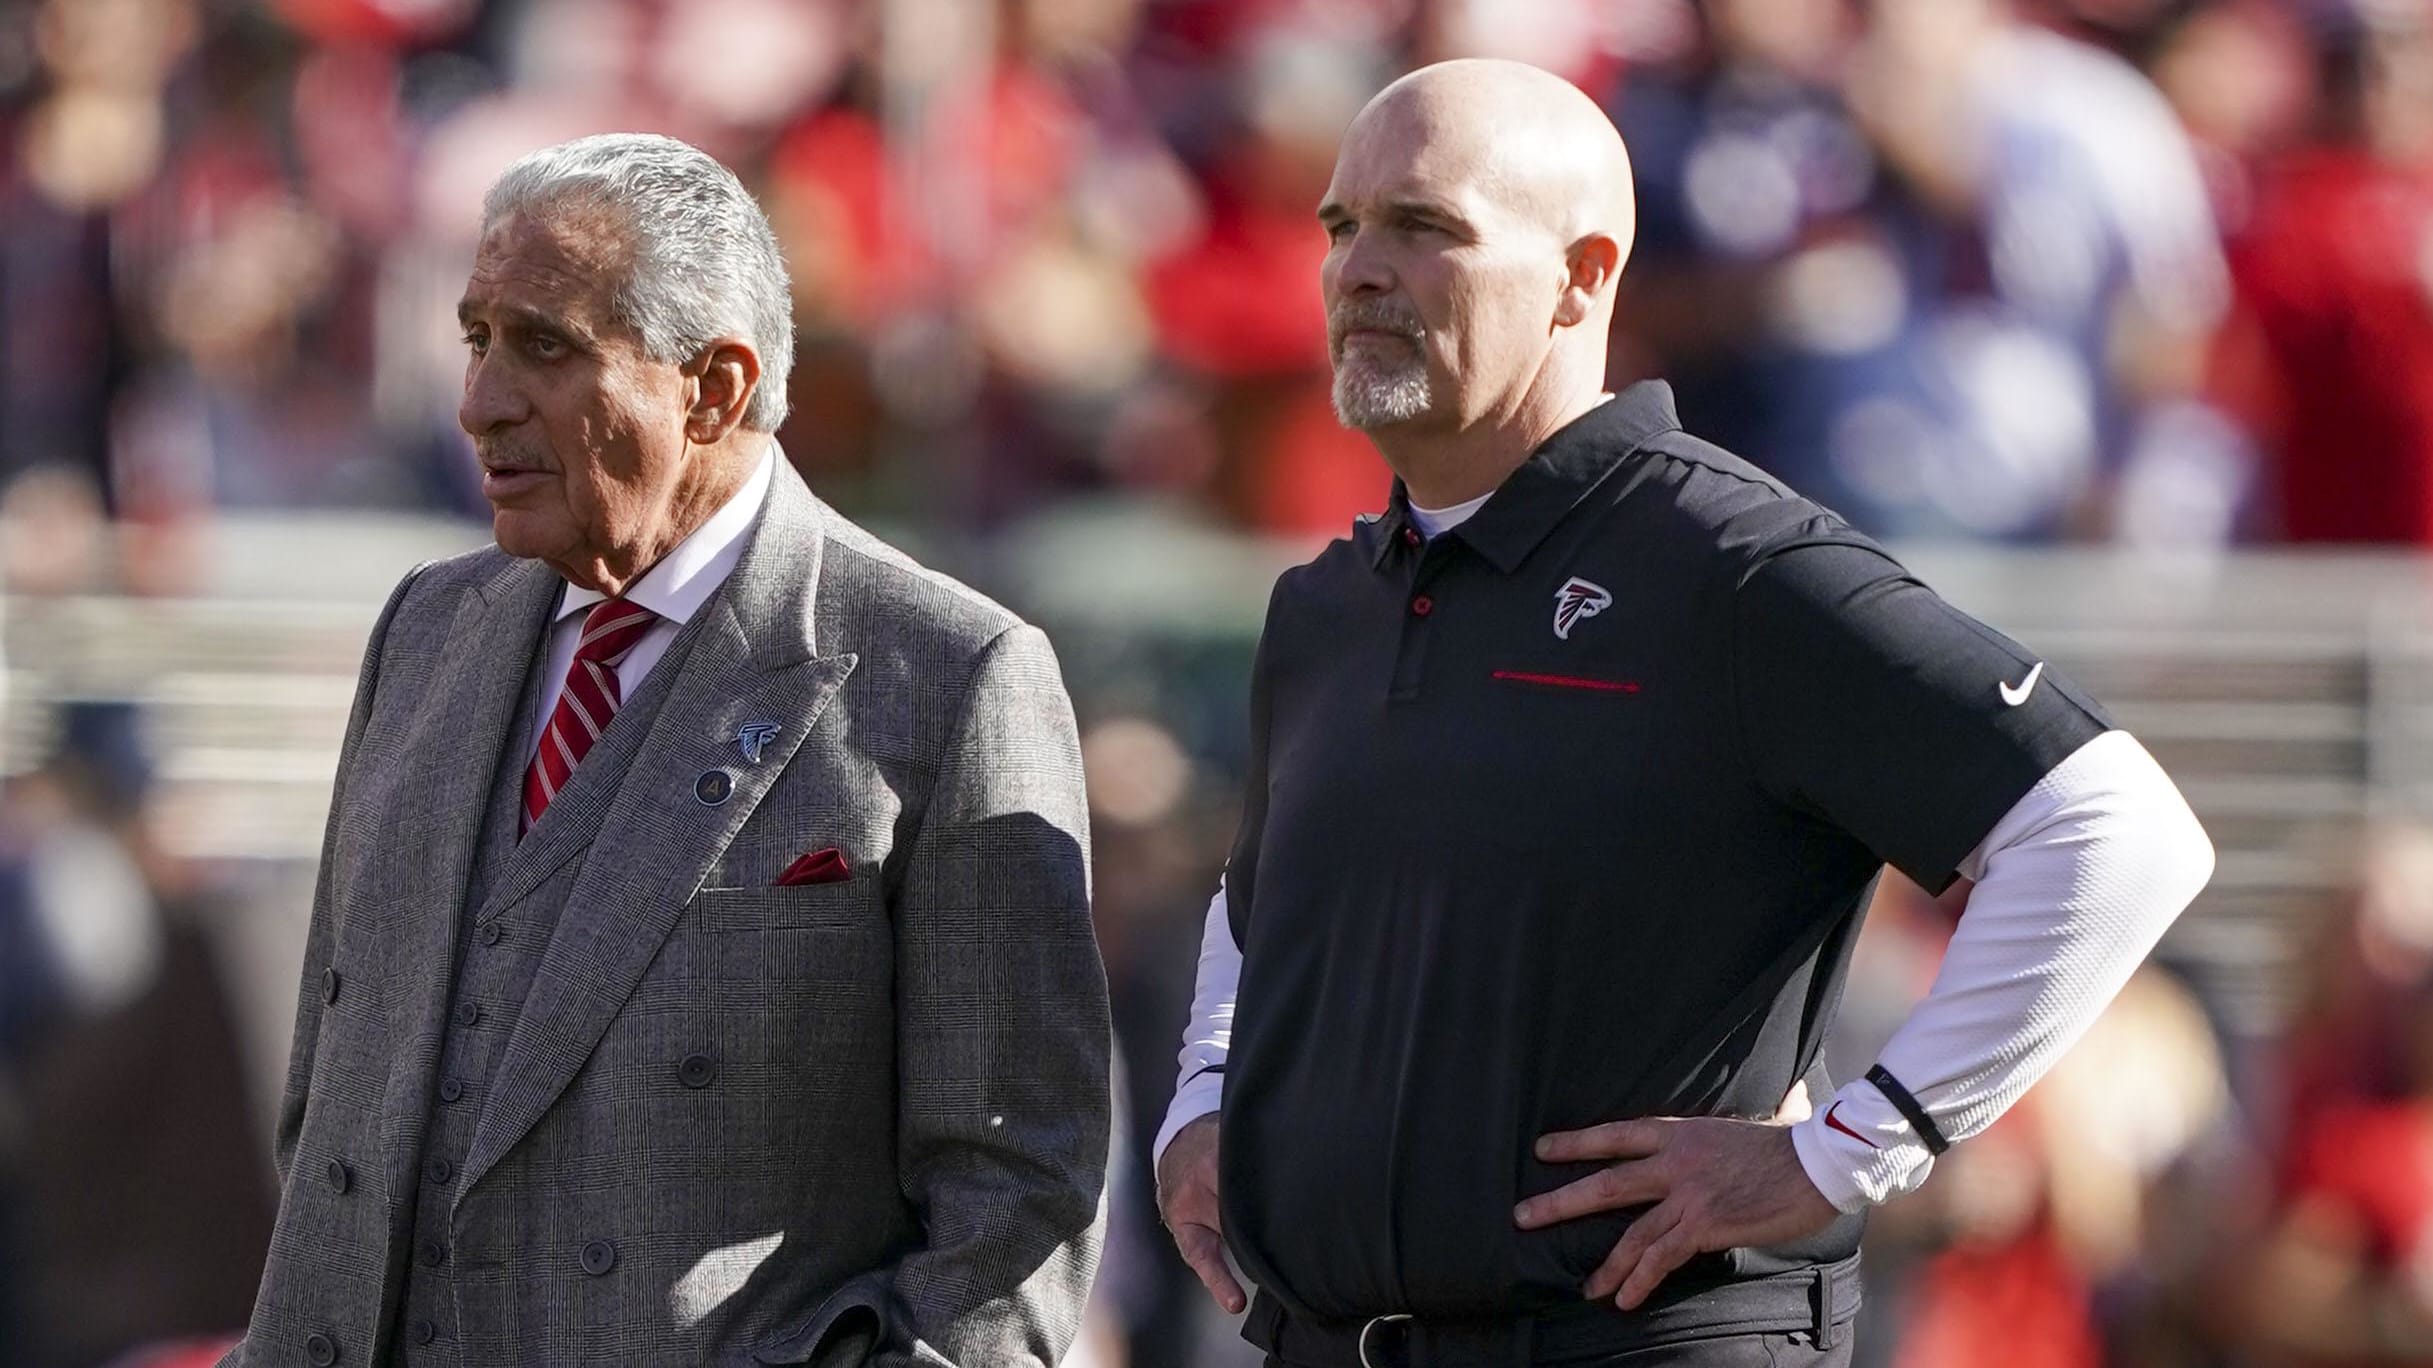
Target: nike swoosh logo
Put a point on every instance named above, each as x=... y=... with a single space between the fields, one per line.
x=2019 y=695
x=1830 y=1121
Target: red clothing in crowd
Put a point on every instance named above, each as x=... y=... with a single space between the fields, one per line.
x=2012 y=1296
x=2331 y=361
x=2021 y=1303
x=2372 y=1161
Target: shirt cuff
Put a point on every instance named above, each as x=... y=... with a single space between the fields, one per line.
x=1859 y=1150
x=1203 y=1093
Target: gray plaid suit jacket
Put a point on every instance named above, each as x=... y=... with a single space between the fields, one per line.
x=902 y=1154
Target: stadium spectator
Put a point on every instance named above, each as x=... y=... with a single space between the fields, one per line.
x=132 y=1203
x=2342 y=1279
x=1945 y=270
x=2330 y=361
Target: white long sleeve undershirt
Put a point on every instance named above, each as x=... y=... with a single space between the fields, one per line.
x=2074 y=886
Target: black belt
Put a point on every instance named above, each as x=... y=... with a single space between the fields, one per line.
x=1819 y=1301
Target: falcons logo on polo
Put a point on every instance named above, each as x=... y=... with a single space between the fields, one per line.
x=1575 y=600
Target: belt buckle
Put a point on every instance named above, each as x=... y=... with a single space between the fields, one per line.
x=1374 y=1322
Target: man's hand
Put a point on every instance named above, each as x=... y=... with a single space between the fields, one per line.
x=1715 y=1183
x=1187 y=1201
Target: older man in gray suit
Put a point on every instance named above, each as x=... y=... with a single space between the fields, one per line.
x=700 y=969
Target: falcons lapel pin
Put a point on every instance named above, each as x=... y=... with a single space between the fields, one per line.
x=752 y=737
x=1577 y=599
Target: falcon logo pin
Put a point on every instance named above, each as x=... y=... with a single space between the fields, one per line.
x=1575 y=600
x=751 y=736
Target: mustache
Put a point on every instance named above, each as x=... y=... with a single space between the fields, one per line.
x=1383 y=316
x=496 y=455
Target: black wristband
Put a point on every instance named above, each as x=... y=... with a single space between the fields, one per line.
x=1907 y=1105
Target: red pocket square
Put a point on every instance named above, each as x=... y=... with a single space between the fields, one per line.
x=818 y=867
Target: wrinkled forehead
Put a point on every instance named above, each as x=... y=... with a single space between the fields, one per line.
x=568 y=260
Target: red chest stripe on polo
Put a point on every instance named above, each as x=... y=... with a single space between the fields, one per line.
x=1556 y=681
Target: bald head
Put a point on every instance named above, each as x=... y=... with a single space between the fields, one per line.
x=1480 y=215
x=1526 y=138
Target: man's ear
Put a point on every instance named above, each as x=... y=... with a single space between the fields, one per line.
x=1591 y=267
x=723 y=379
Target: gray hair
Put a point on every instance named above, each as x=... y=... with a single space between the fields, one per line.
x=704 y=262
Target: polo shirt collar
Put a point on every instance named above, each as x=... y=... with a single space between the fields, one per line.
x=1560 y=473
x=685 y=577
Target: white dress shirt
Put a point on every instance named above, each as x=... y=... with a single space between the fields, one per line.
x=675 y=589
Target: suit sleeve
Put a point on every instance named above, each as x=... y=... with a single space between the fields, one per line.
x=1003 y=1110
x=318 y=936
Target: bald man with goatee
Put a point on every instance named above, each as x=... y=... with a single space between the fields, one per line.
x=1571 y=776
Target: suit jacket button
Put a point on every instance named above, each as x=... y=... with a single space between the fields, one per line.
x=697 y=1071
x=598 y=1257
x=339 y=1177
x=424 y=1330
x=468 y=1014
x=321 y=1349
x=433 y=1253
x=329 y=985
x=714 y=787
x=491 y=933
x=451 y=1088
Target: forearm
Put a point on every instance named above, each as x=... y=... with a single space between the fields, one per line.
x=2074 y=888
x=1199 y=1081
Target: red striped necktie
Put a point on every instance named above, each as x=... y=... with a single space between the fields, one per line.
x=610 y=632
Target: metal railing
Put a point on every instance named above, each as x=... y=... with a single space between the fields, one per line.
x=2290 y=695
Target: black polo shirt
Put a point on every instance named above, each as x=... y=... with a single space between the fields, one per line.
x=1565 y=816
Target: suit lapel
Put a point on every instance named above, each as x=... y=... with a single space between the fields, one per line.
x=461 y=733
x=752 y=659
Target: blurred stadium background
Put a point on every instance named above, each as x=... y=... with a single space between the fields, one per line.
x=2116 y=316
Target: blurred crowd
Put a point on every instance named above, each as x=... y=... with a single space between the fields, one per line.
x=2156 y=272
x=2152 y=270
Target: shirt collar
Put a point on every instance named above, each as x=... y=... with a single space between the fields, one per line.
x=685 y=578
x=1551 y=482
x=1431 y=521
